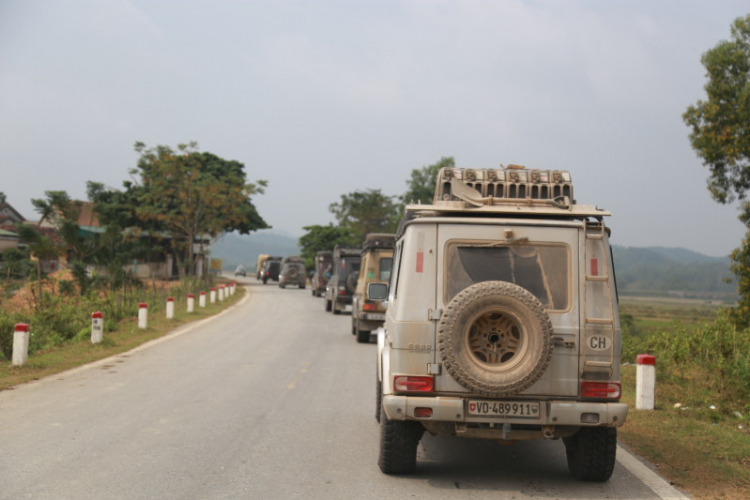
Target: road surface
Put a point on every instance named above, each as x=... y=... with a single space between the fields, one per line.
x=273 y=399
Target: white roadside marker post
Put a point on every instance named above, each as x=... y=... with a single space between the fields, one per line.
x=202 y=299
x=170 y=307
x=142 y=315
x=21 y=344
x=190 y=303
x=213 y=295
x=221 y=293
x=97 y=327
x=645 y=382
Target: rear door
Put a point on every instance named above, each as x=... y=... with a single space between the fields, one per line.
x=542 y=258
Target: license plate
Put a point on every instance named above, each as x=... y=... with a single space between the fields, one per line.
x=515 y=409
x=375 y=316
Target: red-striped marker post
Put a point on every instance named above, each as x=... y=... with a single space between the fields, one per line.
x=143 y=315
x=190 y=303
x=21 y=344
x=221 y=293
x=213 y=295
x=202 y=299
x=645 y=382
x=170 y=307
x=97 y=327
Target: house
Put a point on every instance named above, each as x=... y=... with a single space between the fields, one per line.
x=9 y=217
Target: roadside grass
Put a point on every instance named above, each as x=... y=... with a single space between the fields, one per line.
x=697 y=438
x=701 y=451
x=126 y=337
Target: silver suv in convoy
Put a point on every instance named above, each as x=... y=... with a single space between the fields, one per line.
x=502 y=321
x=293 y=272
x=343 y=279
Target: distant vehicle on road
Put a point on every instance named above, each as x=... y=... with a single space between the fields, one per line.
x=293 y=272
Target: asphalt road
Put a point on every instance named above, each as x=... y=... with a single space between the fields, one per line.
x=273 y=399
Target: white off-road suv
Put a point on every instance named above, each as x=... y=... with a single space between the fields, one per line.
x=501 y=321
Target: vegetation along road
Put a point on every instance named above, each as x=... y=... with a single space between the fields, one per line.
x=273 y=399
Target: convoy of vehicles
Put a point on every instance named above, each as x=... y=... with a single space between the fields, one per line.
x=496 y=316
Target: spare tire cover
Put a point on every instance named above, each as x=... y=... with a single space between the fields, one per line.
x=495 y=338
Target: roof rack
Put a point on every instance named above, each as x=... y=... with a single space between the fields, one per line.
x=378 y=240
x=487 y=187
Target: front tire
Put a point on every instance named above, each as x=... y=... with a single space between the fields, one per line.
x=592 y=453
x=399 y=440
x=328 y=305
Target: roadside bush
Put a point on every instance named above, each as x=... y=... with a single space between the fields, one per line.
x=713 y=359
x=66 y=317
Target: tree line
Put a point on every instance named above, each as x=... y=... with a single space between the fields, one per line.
x=177 y=202
x=370 y=211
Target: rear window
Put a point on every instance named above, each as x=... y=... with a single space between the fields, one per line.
x=384 y=271
x=348 y=265
x=542 y=269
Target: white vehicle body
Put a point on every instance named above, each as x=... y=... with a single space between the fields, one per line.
x=454 y=354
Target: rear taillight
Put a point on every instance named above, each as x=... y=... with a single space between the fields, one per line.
x=601 y=390
x=412 y=383
x=369 y=307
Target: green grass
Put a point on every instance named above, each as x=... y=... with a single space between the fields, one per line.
x=702 y=450
x=126 y=337
x=705 y=452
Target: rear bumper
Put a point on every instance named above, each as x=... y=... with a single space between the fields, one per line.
x=551 y=412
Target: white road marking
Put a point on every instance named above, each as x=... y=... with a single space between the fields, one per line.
x=654 y=481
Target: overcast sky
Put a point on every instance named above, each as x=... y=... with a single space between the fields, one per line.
x=323 y=98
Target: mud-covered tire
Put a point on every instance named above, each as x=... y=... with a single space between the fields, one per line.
x=265 y=280
x=399 y=440
x=495 y=338
x=591 y=453
x=328 y=305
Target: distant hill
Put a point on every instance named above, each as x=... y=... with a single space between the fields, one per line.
x=650 y=270
x=660 y=270
x=235 y=249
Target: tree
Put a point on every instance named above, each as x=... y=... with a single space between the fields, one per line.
x=41 y=248
x=320 y=238
x=720 y=135
x=188 y=194
x=422 y=182
x=365 y=212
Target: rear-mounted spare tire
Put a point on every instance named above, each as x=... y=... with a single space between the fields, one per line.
x=495 y=338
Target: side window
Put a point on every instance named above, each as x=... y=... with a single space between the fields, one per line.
x=384 y=268
x=393 y=289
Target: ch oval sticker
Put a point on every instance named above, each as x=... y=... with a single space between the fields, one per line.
x=599 y=342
